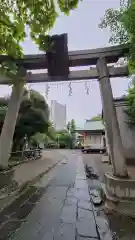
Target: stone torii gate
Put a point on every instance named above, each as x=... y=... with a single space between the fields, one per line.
x=99 y=57
x=119 y=187
x=58 y=70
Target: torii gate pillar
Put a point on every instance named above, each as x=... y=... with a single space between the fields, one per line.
x=112 y=126
x=119 y=188
x=10 y=123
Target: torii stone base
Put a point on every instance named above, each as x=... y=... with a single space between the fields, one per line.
x=120 y=195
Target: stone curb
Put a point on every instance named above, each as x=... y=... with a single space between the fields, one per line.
x=18 y=163
x=23 y=187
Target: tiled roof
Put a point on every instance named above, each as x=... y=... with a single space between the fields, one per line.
x=92 y=126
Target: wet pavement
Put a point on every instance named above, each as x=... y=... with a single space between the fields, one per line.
x=60 y=207
x=57 y=207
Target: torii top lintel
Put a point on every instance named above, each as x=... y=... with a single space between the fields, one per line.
x=76 y=58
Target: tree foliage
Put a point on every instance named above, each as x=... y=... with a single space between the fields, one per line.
x=71 y=127
x=51 y=132
x=33 y=116
x=121 y=23
x=96 y=118
x=63 y=138
x=39 y=16
x=114 y=20
x=68 y=126
x=130 y=99
x=53 y=138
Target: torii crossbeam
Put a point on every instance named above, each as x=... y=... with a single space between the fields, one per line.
x=76 y=59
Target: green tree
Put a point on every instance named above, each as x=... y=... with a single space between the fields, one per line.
x=48 y=138
x=38 y=16
x=72 y=132
x=41 y=138
x=68 y=126
x=131 y=104
x=71 y=127
x=96 y=118
x=37 y=139
x=51 y=133
x=121 y=23
x=33 y=117
x=63 y=139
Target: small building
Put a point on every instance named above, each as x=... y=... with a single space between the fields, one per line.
x=93 y=134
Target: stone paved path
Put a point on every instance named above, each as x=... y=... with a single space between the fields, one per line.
x=63 y=212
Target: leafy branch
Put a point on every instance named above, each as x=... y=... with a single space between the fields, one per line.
x=121 y=23
x=39 y=16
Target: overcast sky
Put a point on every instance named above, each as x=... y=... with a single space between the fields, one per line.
x=83 y=33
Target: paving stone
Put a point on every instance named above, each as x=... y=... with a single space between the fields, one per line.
x=85 y=205
x=86 y=228
x=81 y=184
x=82 y=195
x=72 y=192
x=69 y=214
x=66 y=232
x=70 y=201
x=83 y=213
x=80 y=177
